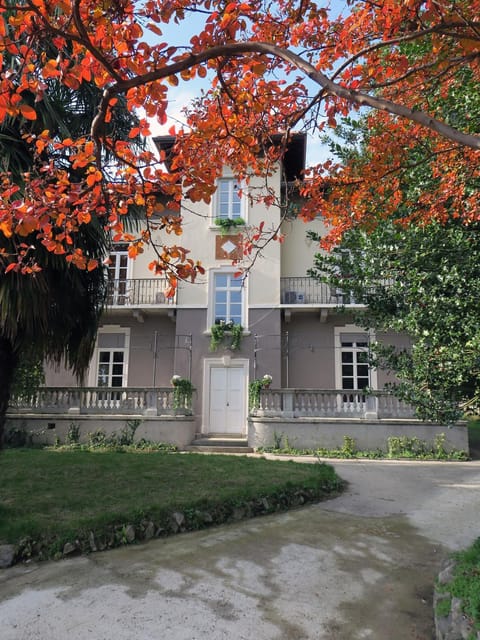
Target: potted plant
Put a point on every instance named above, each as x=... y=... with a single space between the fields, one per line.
x=182 y=392
x=255 y=388
x=226 y=224
x=219 y=331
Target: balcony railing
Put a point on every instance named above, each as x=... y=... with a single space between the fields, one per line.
x=304 y=290
x=331 y=403
x=138 y=292
x=293 y=403
x=102 y=400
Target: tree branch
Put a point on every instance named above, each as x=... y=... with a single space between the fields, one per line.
x=351 y=95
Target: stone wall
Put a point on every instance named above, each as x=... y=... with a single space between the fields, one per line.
x=314 y=433
x=46 y=429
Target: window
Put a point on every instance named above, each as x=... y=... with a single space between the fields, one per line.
x=229 y=203
x=228 y=298
x=353 y=374
x=118 y=276
x=111 y=359
x=110 y=368
x=355 y=371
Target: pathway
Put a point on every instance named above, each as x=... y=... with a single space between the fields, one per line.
x=359 y=566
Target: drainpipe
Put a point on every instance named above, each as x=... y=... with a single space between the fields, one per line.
x=189 y=356
x=287 y=373
x=154 y=373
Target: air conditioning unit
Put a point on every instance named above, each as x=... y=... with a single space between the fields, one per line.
x=293 y=297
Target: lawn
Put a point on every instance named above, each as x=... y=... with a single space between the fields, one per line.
x=57 y=496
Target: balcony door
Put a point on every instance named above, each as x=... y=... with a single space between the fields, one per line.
x=354 y=376
x=118 y=276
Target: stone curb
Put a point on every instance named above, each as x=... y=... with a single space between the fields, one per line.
x=169 y=523
x=456 y=625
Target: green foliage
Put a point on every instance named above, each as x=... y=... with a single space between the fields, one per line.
x=254 y=389
x=182 y=393
x=228 y=224
x=444 y=607
x=29 y=375
x=127 y=434
x=99 y=440
x=237 y=335
x=73 y=433
x=474 y=437
x=349 y=447
x=405 y=447
x=219 y=332
x=277 y=440
x=122 y=442
x=16 y=438
x=465 y=583
x=423 y=282
x=417 y=279
x=397 y=447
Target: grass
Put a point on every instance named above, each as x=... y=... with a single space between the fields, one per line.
x=465 y=584
x=58 y=495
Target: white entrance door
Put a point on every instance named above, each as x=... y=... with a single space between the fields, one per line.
x=227 y=400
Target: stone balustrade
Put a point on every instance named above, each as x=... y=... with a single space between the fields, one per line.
x=102 y=400
x=331 y=403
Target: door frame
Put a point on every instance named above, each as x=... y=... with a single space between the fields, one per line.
x=370 y=334
x=223 y=362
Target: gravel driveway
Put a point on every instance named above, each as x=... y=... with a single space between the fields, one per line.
x=359 y=566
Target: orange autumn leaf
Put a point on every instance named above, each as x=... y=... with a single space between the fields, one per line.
x=28 y=112
x=92 y=264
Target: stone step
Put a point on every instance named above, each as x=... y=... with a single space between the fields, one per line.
x=217 y=449
x=220 y=444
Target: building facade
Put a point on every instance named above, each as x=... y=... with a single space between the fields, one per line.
x=292 y=326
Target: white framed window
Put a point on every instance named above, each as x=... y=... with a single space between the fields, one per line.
x=355 y=370
x=352 y=370
x=118 y=274
x=227 y=297
x=110 y=365
x=228 y=203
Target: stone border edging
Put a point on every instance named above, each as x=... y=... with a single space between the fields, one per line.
x=456 y=625
x=168 y=523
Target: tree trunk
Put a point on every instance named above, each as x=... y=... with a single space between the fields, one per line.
x=8 y=361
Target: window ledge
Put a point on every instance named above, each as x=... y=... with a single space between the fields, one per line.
x=227 y=232
x=245 y=332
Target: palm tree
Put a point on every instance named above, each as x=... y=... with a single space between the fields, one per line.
x=57 y=310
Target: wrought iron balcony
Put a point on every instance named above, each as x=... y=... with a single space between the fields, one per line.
x=307 y=291
x=138 y=292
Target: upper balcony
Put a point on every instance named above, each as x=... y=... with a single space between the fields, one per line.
x=297 y=292
x=139 y=293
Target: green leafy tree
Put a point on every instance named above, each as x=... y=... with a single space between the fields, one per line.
x=422 y=280
x=425 y=282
